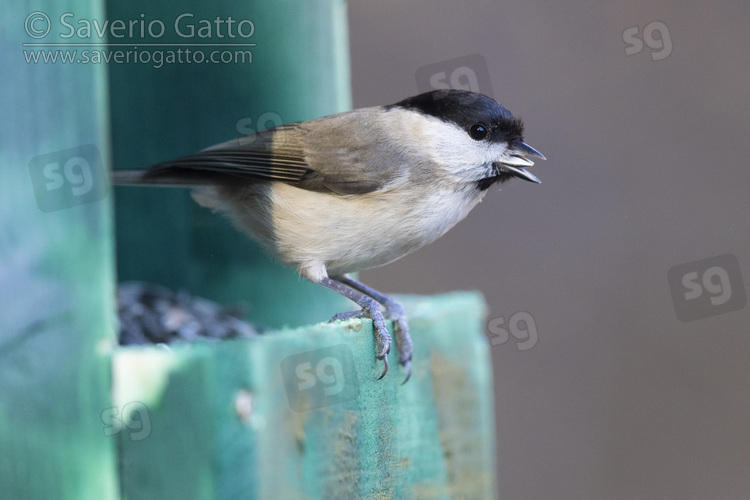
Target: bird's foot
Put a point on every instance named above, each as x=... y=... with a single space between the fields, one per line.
x=379 y=330
x=395 y=312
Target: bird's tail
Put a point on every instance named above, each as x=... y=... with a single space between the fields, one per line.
x=205 y=188
x=148 y=178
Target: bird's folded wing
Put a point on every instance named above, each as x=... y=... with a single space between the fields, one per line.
x=330 y=154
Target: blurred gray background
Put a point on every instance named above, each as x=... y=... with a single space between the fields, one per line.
x=614 y=377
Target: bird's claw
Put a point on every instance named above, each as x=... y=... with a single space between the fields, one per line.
x=407 y=365
x=403 y=342
x=383 y=338
x=379 y=330
x=384 y=359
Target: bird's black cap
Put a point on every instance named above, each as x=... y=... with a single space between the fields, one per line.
x=466 y=109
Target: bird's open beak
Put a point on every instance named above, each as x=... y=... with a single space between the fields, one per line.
x=529 y=151
x=519 y=161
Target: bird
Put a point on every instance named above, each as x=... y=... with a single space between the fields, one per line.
x=357 y=190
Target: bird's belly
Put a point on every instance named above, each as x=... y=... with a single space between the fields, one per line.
x=349 y=233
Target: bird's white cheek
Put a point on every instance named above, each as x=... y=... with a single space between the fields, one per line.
x=450 y=149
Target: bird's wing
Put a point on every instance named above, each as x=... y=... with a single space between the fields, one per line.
x=260 y=156
x=342 y=153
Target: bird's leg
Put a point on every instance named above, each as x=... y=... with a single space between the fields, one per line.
x=370 y=309
x=394 y=312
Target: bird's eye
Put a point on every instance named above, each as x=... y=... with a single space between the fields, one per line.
x=478 y=131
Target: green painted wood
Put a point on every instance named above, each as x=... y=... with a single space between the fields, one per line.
x=56 y=270
x=229 y=420
x=297 y=413
x=299 y=71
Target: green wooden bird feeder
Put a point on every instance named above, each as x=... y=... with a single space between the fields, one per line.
x=294 y=413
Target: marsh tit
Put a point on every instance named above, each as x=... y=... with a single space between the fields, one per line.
x=358 y=189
